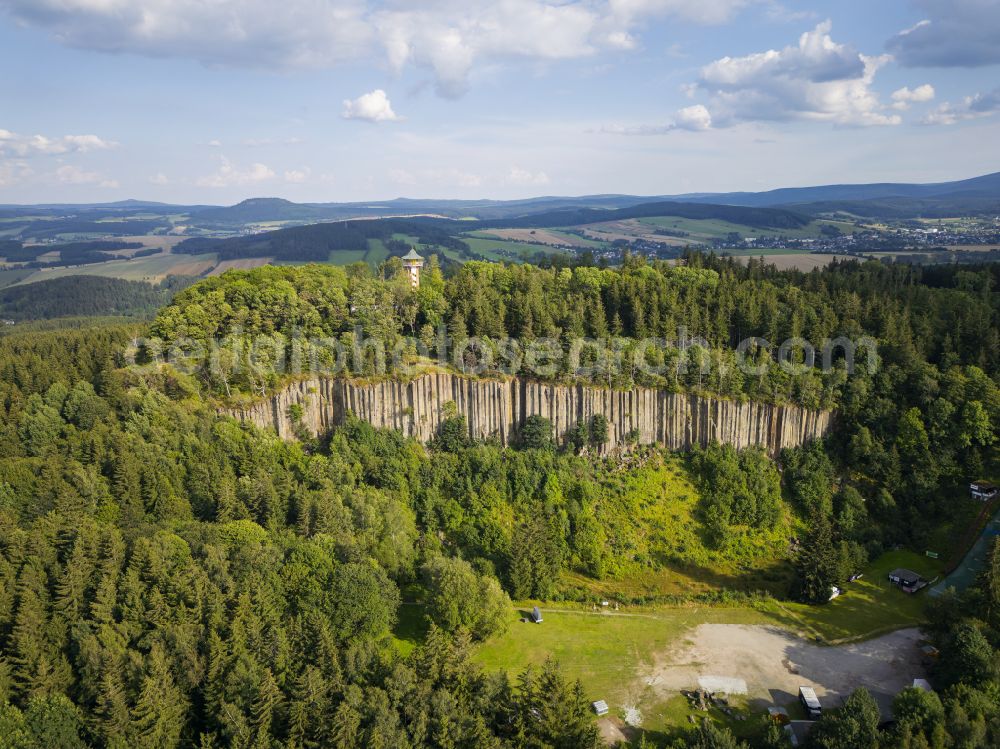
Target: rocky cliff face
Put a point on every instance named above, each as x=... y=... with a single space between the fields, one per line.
x=496 y=408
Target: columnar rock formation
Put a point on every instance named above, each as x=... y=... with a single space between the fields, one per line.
x=496 y=408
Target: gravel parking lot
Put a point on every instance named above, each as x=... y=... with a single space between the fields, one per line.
x=774 y=663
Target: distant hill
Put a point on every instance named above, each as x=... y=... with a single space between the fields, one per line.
x=905 y=208
x=962 y=197
x=967 y=194
x=769 y=218
x=85 y=296
x=256 y=210
x=259 y=210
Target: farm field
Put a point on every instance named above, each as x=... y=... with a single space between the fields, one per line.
x=152 y=269
x=538 y=236
x=243 y=264
x=712 y=228
x=498 y=249
x=13 y=276
x=789 y=260
x=697 y=231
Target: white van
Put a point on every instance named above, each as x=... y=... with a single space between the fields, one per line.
x=809 y=700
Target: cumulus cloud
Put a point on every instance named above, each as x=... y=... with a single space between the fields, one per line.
x=297 y=176
x=12 y=144
x=519 y=176
x=972 y=107
x=902 y=98
x=371 y=107
x=73 y=175
x=954 y=33
x=818 y=80
x=159 y=179
x=448 y=37
x=230 y=175
x=694 y=118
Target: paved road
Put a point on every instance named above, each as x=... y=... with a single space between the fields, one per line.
x=974 y=562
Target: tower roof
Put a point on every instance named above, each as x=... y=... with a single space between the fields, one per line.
x=412 y=255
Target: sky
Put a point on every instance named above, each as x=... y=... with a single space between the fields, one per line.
x=215 y=101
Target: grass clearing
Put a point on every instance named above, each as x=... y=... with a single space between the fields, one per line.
x=411 y=628
x=377 y=252
x=605 y=651
x=613 y=653
x=346 y=257
x=869 y=606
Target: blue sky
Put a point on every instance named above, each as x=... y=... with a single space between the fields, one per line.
x=335 y=100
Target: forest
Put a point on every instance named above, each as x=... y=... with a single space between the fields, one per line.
x=170 y=577
x=315 y=242
x=87 y=296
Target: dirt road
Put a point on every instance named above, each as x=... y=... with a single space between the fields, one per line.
x=774 y=663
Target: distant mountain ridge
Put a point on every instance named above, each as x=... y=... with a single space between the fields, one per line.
x=969 y=196
x=986 y=186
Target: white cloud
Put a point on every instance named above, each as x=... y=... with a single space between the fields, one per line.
x=971 y=108
x=448 y=37
x=954 y=33
x=159 y=179
x=297 y=176
x=14 y=171
x=902 y=98
x=42 y=145
x=695 y=117
x=73 y=175
x=817 y=80
x=371 y=107
x=698 y=11
x=229 y=175
x=519 y=176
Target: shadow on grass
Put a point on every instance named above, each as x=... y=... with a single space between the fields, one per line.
x=412 y=625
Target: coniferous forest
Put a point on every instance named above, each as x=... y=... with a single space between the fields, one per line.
x=170 y=577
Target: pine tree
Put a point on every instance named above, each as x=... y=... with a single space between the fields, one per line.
x=160 y=712
x=263 y=710
x=818 y=561
x=111 y=714
x=346 y=731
